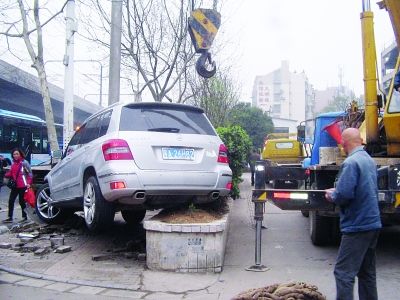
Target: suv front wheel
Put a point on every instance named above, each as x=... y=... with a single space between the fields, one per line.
x=45 y=209
x=99 y=214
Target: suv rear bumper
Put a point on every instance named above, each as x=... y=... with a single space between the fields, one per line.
x=160 y=183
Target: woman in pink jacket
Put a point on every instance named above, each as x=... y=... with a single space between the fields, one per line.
x=21 y=173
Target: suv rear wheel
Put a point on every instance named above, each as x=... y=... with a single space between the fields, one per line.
x=99 y=214
x=133 y=216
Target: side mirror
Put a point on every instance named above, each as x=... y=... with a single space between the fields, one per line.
x=301 y=133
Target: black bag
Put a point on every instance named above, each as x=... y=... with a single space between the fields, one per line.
x=11 y=184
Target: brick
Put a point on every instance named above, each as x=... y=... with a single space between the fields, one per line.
x=204 y=228
x=5 y=245
x=35 y=282
x=130 y=255
x=196 y=228
x=124 y=294
x=141 y=257
x=119 y=250
x=10 y=278
x=61 y=287
x=218 y=227
x=29 y=248
x=213 y=228
x=176 y=228
x=186 y=228
x=167 y=228
x=102 y=257
x=26 y=240
x=41 y=251
x=63 y=249
x=56 y=241
x=88 y=290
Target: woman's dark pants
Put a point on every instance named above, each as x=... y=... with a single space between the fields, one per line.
x=13 y=194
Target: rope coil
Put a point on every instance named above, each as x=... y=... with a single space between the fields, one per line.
x=285 y=291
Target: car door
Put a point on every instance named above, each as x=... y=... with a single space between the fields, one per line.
x=77 y=162
x=60 y=178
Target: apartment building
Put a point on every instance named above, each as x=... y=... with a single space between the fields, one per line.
x=284 y=94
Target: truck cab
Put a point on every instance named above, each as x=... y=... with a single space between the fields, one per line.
x=282 y=158
x=283 y=150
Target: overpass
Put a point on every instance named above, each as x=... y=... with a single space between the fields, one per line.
x=20 y=92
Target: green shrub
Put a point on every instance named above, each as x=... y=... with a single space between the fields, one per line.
x=239 y=144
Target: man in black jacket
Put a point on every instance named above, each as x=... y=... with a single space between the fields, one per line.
x=253 y=157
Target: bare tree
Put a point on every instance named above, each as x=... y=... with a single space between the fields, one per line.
x=156 y=48
x=33 y=39
x=217 y=96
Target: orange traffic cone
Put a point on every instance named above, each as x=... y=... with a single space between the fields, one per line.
x=334 y=131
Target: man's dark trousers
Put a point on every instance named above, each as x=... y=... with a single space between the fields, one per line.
x=253 y=172
x=356 y=257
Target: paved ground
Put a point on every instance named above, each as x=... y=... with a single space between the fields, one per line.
x=286 y=250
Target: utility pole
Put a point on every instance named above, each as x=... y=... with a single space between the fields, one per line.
x=115 y=52
x=69 y=74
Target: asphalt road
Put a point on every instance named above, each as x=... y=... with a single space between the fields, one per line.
x=286 y=250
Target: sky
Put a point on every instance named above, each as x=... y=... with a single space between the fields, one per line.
x=314 y=36
x=318 y=37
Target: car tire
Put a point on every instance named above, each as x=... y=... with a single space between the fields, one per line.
x=44 y=208
x=133 y=217
x=98 y=213
x=305 y=213
x=320 y=229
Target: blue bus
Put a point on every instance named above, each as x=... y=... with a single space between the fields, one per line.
x=27 y=132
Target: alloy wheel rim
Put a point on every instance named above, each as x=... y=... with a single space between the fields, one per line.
x=89 y=203
x=44 y=205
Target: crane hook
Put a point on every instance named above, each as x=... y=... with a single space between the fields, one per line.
x=201 y=67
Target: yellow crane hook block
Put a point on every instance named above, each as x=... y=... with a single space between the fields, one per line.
x=203 y=27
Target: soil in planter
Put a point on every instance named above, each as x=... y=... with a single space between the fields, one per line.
x=204 y=213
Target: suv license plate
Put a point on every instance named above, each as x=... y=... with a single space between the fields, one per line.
x=177 y=153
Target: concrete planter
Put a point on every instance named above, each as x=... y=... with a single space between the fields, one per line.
x=196 y=247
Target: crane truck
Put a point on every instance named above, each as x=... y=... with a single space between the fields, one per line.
x=379 y=122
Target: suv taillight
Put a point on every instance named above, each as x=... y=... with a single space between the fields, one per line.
x=116 y=150
x=223 y=154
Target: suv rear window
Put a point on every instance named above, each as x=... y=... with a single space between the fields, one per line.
x=164 y=120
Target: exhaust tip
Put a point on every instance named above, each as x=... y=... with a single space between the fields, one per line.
x=214 y=195
x=139 y=195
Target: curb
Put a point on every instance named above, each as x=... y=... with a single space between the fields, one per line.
x=70 y=281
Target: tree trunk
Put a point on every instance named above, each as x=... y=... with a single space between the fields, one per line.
x=48 y=110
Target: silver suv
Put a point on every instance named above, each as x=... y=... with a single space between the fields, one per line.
x=133 y=157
